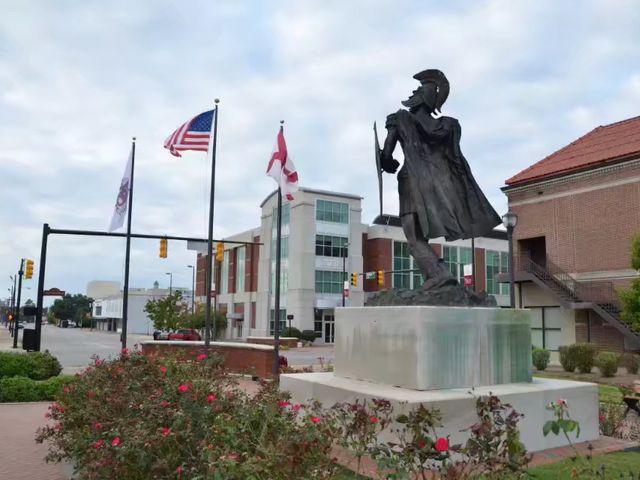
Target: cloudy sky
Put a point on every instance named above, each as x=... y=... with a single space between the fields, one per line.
x=79 y=79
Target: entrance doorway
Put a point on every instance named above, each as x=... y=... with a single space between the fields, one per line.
x=328 y=328
x=535 y=248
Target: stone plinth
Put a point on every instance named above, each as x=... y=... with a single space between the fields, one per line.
x=458 y=405
x=430 y=348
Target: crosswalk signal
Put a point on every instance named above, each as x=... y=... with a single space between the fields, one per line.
x=163 y=247
x=380 y=278
x=354 y=279
x=220 y=251
x=28 y=271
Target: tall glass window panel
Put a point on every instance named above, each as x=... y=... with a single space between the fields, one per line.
x=224 y=273
x=327 y=211
x=240 y=264
x=329 y=281
x=331 y=246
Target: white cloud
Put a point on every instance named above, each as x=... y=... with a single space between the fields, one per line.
x=77 y=81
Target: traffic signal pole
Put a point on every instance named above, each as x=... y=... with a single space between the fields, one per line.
x=43 y=262
x=16 y=316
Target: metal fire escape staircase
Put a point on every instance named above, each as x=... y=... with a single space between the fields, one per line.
x=597 y=296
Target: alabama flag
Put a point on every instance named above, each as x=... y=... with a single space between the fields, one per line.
x=281 y=168
x=122 y=201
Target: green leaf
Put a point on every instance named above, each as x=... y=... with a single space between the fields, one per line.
x=547 y=428
x=402 y=419
x=555 y=428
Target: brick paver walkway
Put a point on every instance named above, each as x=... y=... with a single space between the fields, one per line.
x=21 y=458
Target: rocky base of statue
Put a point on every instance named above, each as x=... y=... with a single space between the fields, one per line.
x=448 y=295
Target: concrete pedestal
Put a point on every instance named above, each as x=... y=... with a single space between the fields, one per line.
x=427 y=348
x=457 y=405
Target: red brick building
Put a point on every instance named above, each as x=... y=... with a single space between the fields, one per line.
x=578 y=210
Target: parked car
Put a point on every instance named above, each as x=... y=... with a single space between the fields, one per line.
x=161 y=335
x=185 y=334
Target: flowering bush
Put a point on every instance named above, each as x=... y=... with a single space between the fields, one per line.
x=138 y=417
x=611 y=419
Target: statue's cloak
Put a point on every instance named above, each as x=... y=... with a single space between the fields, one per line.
x=435 y=181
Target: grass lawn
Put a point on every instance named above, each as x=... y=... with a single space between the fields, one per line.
x=615 y=464
x=607 y=393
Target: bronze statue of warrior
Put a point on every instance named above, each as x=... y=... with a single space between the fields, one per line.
x=438 y=195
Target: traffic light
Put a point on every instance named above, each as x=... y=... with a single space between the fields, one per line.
x=28 y=271
x=220 y=251
x=380 y=278
x=163 y=248
x=354 y=279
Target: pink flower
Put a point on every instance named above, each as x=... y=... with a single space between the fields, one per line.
x=119 y=370
x=296 y=407
x=442 y=444
x=47 y=415
x=233 y=457
x=183 y=388
x=164 y=403
x=179 y=471
x=98 y=361
x=66 y=389
x=124 y=351
x=163 y=369
x=211 y=397
x=97 y=425
x=98 y=443
x=166 y=431
x=315 y=419
x=561 y=402
x=373 y=419
x=91 y=394
x=115 y=442
x=201 y=357
x=283 y=403
x=210 y=446
x=602 y=418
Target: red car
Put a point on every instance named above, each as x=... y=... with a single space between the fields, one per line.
x=185 y=334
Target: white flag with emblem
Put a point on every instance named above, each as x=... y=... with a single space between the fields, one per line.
x=122 y=202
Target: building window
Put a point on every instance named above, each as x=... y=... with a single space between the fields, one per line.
x=546 y=327
x=402 y=260
x=497 y=262
x=283 y=320
x=98 y=310
x=286 y=217
x=456 y=258
x=284 y=278
x=240 y=259
x=329 y=282
x=224 y=273
x=284 y=248
x=336 y=212
x=329 y=246
x=317 y=320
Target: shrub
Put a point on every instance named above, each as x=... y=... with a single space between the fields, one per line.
x=23 y=389
x=607 y=362
x=584 y=354
x=35 y=365
x=630 y=362
x=611 y=418
x=567 y=359
x=540 y=358
x=309 y=335
x=291 y=332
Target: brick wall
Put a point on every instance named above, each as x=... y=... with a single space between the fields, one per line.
x=237 y=358
x=604 y=337
x=201 y=268
x=376 y=255
x=481 y=271
x=585 y=231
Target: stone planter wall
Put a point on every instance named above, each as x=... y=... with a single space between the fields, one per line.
x=291 y=342
x=244 y=358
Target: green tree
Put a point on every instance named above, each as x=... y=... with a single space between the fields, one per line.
x=630 y=297
x=167 y=313
x=72 y=307
x=197 y=319
x=29 y=303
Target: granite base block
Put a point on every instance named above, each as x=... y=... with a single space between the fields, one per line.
x=458 y=405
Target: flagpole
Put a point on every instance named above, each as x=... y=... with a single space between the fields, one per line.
x=208 y=325
x=127 y=255
x=276 y=323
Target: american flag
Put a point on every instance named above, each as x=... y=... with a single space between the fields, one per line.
x=192 y=135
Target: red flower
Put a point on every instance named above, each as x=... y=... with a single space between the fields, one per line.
x=421 y=443
x=283 y=403
x=164 y=403
x=201 y=357
x=183 y=388
x=163 y=369
x=442 y=444
x=97 y=425
x=124 y=351
x=166 y=431
x=115 y=442
x=316 y=419
x=561 y=402
x=211 y=397
x=98 y=443
x=373 y=419
x=210 y=446
x=91 y=394
x=119 y=370
x=602 y=418
x=98 y=361
x=179 y=471
x=296 y=407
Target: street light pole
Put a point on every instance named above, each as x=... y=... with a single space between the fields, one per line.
x=510 y=220
x=170 y=282
x=193 y=287
x=344 y=270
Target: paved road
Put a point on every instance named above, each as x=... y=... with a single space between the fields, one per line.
x=74 y=347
